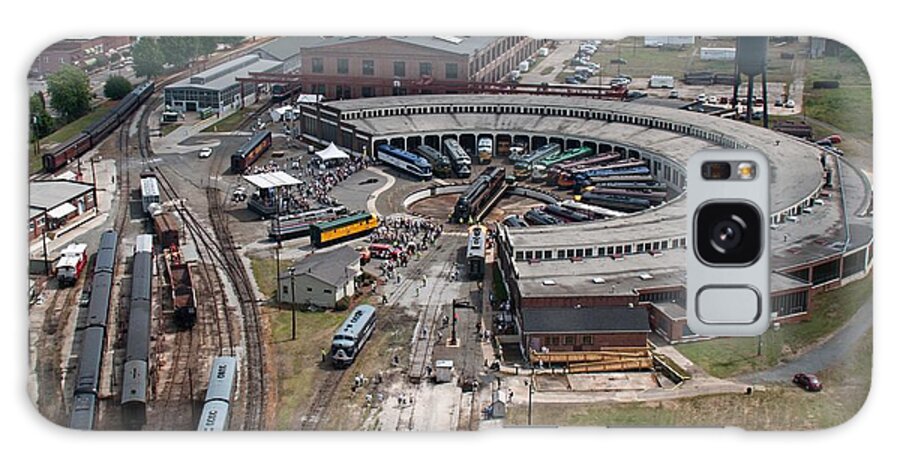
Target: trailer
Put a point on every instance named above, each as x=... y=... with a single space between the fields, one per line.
x=661 y=82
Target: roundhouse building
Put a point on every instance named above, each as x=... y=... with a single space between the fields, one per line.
x=820 y=205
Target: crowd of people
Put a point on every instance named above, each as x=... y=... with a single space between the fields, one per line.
x=410 y=235
x=316 y=181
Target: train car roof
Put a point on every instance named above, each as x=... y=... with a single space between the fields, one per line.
x=343 y=221
x=149 y=187
x=222 y=373
x=134 y=382
x=89 y=358
x=98 y=308
x=214 y=417
x=137 y=344
x=254 y=140
x=358 y=317
x=143 y=244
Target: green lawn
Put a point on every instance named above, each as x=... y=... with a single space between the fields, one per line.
x=777 y=407
x=642 y=62
x=264 y=273
x=848 y=107
x=169 y=128
x=230 y=122
x=70 y=130
x=727 y=357
x=298 y=361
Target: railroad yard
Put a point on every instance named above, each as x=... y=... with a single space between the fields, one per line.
x=327 y=273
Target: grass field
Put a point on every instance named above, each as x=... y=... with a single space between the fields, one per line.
x=168 y=129
x=848 y=107
x=70 y=130
x=230 y=122
x=777 y=407
x=727 y=357
x=264 y=273
x=298 y=361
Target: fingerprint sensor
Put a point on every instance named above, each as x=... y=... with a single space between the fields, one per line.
x=723 y=304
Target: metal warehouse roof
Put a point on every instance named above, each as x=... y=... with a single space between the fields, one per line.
x=50 y=194
x=585 y=320
x=223 y=76
x=286 y=47
x=463 y=45
x=269 y=180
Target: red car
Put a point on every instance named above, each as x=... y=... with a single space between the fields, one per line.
x=808 y=382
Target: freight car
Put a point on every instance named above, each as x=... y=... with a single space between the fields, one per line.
x=90 y=357
x=326 y=233
x=91 y=136
x=217 y=405
x=137 y=346
x=250 y=151
x=352 y=335
x=479 y=194
x=167 y=229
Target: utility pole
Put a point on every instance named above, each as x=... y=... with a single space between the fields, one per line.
x=293 y=308
x=530 y=395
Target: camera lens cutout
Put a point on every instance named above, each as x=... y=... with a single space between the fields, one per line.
x=728 y=233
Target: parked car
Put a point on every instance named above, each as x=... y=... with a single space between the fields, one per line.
x=205 y=152
x=618 y=61
x=789 y=104
x=701 y=98
x=808 y=382
x=572 y=80
x=673 y=94
x=634 y=95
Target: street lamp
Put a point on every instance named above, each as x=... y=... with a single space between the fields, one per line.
x=293 y=307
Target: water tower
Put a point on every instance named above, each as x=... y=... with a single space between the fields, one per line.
x=751 y=61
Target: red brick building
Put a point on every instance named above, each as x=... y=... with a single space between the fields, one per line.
x=354 y=67
x=74 y=51
x=585 y=329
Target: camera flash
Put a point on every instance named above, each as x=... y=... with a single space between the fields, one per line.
x=746 y=170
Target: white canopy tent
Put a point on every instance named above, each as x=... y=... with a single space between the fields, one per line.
x=332 y=152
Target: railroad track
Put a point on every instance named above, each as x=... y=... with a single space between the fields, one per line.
x=210 y=255
x=221 y=248
x=254 y=345
x=322 y=399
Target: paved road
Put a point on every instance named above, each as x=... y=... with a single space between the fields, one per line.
x=823 y=356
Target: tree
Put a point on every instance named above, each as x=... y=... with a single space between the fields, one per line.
x=178 y=51
x=70 y=92
x=40 y=123
x=148 y=58
x=206 y=45
x=116 y=87
x=230 y=40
